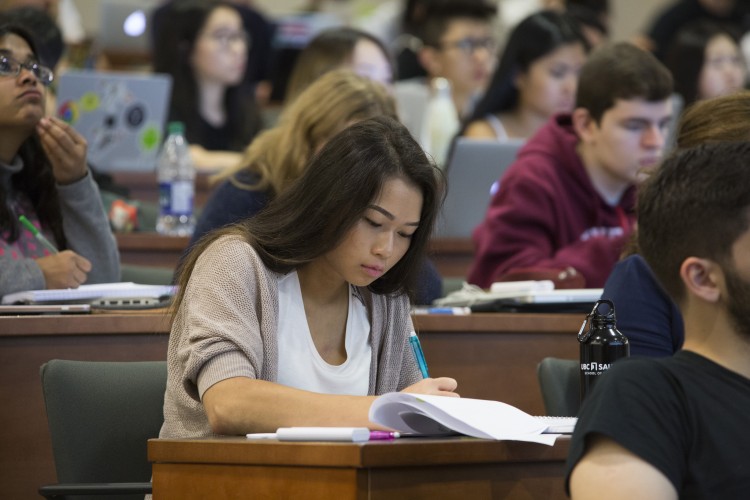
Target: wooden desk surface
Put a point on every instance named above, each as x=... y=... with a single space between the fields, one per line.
x=405 y=468
x=493 y=356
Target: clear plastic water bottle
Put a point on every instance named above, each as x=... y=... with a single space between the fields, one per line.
x=176 y=177
x=441 y=122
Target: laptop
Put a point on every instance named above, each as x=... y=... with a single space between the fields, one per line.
x=474 y=171
x=577 y=300
x=121 y=115
x=125 y=26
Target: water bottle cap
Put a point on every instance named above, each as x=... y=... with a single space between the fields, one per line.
x=441 y=84
x=597 y=318
x=176 y=128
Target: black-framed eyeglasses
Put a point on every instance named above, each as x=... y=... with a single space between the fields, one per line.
x=12 y=67
x=470 y=45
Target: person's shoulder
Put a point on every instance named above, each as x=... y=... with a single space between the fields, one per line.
x=480 y=129
x=641 y=371
x=635 y=264
x=229 y=247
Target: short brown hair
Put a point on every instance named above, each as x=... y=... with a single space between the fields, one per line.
x=440 y=13
x=696 y=204
x=621 y=71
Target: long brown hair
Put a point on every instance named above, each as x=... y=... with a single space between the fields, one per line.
x=316 y=212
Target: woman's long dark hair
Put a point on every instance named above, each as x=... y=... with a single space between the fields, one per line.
x=172 y=48
x=35 y=180
x=535 y=37
x=687 y=53
x=315 y=213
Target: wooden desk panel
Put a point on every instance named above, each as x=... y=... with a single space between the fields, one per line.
x=151 y=249
x=407 y=468
x=28 y=342
x=493 y=356
x=144 y=186
x=452 y=256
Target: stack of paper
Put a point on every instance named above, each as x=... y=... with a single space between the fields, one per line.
x=419 y=414
x=88 y=293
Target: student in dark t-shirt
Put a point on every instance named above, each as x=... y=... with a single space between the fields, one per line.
x=676 y=427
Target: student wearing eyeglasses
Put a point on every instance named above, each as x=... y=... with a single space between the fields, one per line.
x=205 y=49
x=459 y=45
x=44 y=177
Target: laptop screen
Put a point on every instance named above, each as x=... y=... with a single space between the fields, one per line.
x=124 y=26
x=121 y=115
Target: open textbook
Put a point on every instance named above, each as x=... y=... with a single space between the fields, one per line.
x=88 y=293
x=419 y=414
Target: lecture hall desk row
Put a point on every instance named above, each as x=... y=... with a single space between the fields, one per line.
x=429 y=469
x=493 y=356
x=452 y=256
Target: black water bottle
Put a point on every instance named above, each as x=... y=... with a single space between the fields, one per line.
x=601 y=345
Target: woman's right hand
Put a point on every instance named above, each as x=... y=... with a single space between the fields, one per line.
x=66 y=269
x=441 y=386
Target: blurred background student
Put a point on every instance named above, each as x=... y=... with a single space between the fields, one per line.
x=536 y=78
x=260 y=32
x=205 y=49
x=340 y=47
x=44 y=177
x=672 y=18
x=706 y=61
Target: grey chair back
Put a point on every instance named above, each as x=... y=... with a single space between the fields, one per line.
x=100 y=416
x=560 y=385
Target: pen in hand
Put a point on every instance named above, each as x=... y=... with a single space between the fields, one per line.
x=38 y=235
x=418 y=354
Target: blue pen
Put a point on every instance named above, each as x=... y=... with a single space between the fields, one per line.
x=418 y=354
x=449 y=310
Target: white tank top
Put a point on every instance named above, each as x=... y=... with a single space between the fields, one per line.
x=497 y=127
x=300 y=364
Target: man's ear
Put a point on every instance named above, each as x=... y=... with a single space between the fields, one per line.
x=429 y=58
x=702 y=278
x=583 y=124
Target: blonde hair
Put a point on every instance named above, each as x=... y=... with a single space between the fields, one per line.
x=337 y=99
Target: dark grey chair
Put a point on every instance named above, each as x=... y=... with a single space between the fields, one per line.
x=560 y=385
x=100 y=416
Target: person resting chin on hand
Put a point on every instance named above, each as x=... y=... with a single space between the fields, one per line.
x=44 y=177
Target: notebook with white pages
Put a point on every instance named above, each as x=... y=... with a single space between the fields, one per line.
x=418 y=414
x=88 y=293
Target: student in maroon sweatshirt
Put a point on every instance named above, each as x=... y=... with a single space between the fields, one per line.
x=565 y=208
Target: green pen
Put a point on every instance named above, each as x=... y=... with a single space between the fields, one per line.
x=39 y=236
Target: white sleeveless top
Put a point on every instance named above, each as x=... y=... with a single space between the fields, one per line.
x=497 y=127
x=300 y=364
